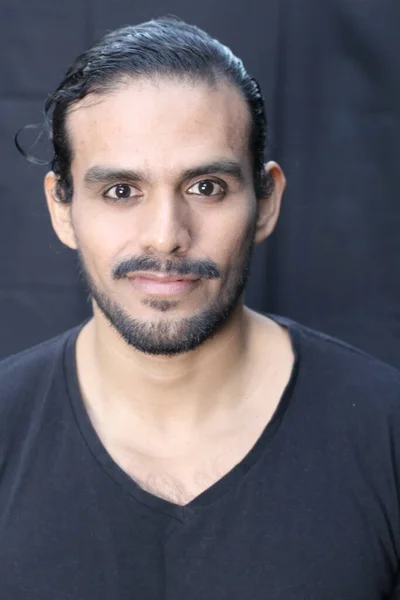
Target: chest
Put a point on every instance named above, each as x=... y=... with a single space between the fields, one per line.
x=266 y=539
x=179 y=469
x=180 y=479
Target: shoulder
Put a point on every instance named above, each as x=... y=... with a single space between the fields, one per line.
x=30 y=361
x=343 y=372
x=29 y=374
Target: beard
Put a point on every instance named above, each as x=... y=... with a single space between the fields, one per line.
x=175 y=335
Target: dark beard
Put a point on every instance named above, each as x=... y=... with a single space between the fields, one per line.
x=174 y=336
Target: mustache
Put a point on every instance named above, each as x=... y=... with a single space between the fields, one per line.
x=205 y=269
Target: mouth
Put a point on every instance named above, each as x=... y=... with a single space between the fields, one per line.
x=159 y=284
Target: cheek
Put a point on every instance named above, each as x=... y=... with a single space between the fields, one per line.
x=234 y=237
x=101 y=236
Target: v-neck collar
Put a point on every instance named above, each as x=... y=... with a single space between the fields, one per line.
x=224 y=485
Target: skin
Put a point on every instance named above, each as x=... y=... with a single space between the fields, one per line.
x=178 y=423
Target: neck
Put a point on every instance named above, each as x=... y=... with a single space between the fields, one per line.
x=161 y=390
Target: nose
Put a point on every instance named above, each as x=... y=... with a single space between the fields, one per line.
x=165 y=225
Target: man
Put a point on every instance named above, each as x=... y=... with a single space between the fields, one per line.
x=179 y=445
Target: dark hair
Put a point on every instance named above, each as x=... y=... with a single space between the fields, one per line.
x=166 y=47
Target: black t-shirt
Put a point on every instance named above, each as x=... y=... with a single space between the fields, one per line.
x=311 y=513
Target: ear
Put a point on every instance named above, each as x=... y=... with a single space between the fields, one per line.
x=269 y=204
x=60 y=212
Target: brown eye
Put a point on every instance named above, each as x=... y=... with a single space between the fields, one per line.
x=121 y=191
x=206 y=187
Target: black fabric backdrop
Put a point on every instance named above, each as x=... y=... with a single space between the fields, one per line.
x=330 y=73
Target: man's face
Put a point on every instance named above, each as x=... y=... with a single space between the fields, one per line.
x=164 y=209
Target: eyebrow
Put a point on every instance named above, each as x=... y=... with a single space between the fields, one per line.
x=104 y=174
x=223 y=167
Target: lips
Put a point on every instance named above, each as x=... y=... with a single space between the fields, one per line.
x=162 y=278
x=160 y=284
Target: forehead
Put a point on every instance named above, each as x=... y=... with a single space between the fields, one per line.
x=159 y=125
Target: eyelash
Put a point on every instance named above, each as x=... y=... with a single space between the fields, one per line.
x=222 y=184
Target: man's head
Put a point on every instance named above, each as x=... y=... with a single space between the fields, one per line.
x=158 y=180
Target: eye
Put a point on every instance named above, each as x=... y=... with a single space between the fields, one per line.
x=207 y=187
x=121 y=191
